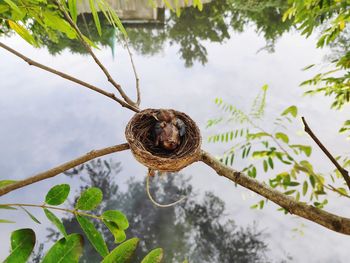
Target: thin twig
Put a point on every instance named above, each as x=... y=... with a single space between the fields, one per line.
x=343 y=172
x=324 y=218
x=137 y=80
x=63 y=167
x=55 y=208
x=150 y=195
x=68 y=77
x=98 y=62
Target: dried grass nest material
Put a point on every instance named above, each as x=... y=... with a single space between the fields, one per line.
x=140 y=138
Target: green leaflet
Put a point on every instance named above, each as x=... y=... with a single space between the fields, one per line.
x=122 y=253
x=95 y=16
x=57 y=194
x=155 y=256
x=67 y=249
x=93 y=235
x=89 y=199
x=4 y=183
x=22 y=244
x=72 y=5
x=30 y=215
x=22 y=32
x=117 y=217
x=6 y=221
x=56 y=221
x=119 y=234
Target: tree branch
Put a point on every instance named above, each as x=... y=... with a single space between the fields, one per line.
x=326 y=219
x=68 y=77
x=137 y=80
x=63 y=167
x=98 y=62
x=343 y=172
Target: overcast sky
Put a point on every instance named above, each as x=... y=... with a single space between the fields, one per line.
x=46 y=120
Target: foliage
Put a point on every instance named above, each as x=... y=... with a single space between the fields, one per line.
x=70 y=247
x=189 y=30
x=31 y=19
x=196 y=229
x=274 y=153
x=332 y=18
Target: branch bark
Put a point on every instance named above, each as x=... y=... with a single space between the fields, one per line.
x=137 y=80
x=343 y=172
x=326 y=219
x=63 y=167
x=98 y=62
x=68 y=77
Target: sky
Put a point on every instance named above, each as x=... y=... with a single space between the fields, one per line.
x=46 y=120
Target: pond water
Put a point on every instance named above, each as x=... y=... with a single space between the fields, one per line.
x=46 y=120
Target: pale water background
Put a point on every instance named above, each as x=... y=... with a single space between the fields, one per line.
x=45 y=120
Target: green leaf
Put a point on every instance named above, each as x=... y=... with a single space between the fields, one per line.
x=282 y=136
x=93 y=235
x=265 y=166
x=119 y=234
x=89 y=199
x=292 y=110
x=303 y=148
x=117 y=217
x=7 y=207
x=289 y=192
x=342 y=191
x=22 y=245
x=95 y=16
x=54 y=21
x=13 y=6
x=72 y=6
x=56 y=221
x=4 y=183
x=67 y=249
x=312 y=180
x=305 y=186
x=308 y=67
x=22 y=32
x=6 y=221
x=155 y=256
x=123 y=252
x=30 y=215
x=57 y=194
x=270 y=161
x=293 y=183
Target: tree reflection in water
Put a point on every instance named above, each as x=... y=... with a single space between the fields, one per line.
x=215 y=23
x=197 y=229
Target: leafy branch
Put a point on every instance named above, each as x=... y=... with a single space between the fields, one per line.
x=69 y=248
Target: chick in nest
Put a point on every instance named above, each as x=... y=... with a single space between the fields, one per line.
x=168 y=130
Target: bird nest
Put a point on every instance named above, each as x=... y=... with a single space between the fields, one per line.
x=140 y=136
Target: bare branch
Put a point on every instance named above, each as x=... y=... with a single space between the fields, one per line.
x=68 y=77
x=343 y=172
x=137 y=80
x=63 y=167
x=98 y=62
x=326 y=219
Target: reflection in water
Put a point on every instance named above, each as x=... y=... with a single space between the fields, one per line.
x=195 y=229
x=189 y=31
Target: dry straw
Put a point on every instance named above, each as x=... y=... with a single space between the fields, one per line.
x=140 y=138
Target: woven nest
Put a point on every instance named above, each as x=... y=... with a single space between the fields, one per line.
x=140 y=136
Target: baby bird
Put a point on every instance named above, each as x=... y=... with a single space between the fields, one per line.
x=168 y=130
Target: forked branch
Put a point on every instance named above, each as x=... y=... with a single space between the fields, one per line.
x=343 y=172
x=98 y=62
x=63 y=167
x=326 y=219
x=68 y=77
